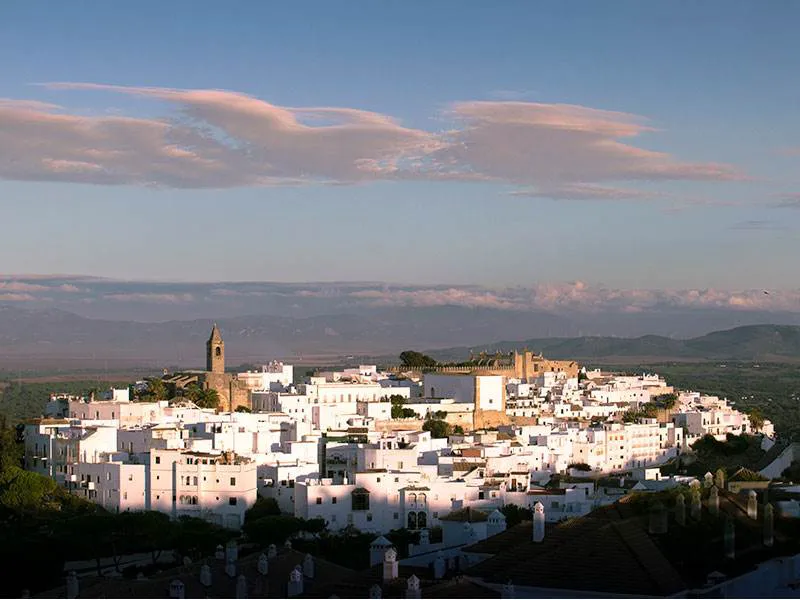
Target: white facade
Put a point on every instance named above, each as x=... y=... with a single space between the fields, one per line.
x=217 y=488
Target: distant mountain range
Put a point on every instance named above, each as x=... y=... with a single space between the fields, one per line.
x=39 y=338
x=768 y=343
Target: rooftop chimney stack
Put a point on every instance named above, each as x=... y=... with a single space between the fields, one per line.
x=538 y=522
x=263 y=564
x=769 y=526
x=72 y=585
x=713 y=502
x=439 y=566
x=390 y=566
x=730 y=539
x=412 y=589
x=272 y=551
x=295 y=582
x=241 y=587
x=697 y=506
x=680 y=510
x=219 y=554
x=719 y=480
x=205 y=576
x=176 y=589
x=752 y=504
x=708 y=480
x=308 y=566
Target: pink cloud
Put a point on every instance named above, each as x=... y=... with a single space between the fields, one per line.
x=582 y=297
x=22 y=286
x=13 y=297
x=224 y=139
x=154 y=298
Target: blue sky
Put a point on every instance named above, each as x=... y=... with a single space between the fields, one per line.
x=514 y=190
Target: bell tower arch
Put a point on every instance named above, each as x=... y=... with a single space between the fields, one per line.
x=215 y=352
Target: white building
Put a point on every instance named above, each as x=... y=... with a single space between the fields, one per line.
x=212 y=486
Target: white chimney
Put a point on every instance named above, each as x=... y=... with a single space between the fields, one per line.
x=538 y=522
x=719 y=480
x=708 y=480
x=697 y=507
x=730 y=539
x=295 y=582
x=205 y=576
x=680 y=510
x=176 y=589
x=424 y=537
x=272 y=551
x=263 y=564
x=439 y=566
x=752 y=504
x=231 y=552
x=287 y=545
x=308 y=566
x=412 y=589
x=72 y=585
x=219 y=554
x=390 y=566
x=375 y=592
x=241 y=587
x=769 y=525
x=377 y=550
x=713 y=502
x=508 y=590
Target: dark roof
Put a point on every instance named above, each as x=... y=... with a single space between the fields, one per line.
x=466 y=515
x=745 y=474
x=612 y=551
x=273 y=585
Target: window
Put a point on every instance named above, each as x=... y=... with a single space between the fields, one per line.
x=333 y=500
x=158 y=460
x=435 y=515
x=108 y=476
x=333 y=518
x=481 y=495
x=130 y=477
x=319 y=500
x=369 y=518
x=124 y=495
x=360 y=499
x=396 y=516
x=194 y=480
x=232 y=501
x=397 y=480
x=233 y=480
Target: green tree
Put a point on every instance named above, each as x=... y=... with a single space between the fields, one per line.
x=414 y=359
x=756 y=419
x=398 y=410
x=204 y=398
x=10 y=448
x=243 y=409
x=515 y=514
x=156 y=391
x=264 y=507
x=437 y=427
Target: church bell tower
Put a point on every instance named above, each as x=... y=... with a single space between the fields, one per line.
x=215 y=352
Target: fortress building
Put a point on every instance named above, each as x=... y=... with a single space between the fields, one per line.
x=524 y=365
x=232 y=392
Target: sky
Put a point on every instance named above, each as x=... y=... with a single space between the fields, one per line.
x=626 y=144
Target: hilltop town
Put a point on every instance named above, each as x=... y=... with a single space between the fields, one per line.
x=476 y=461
